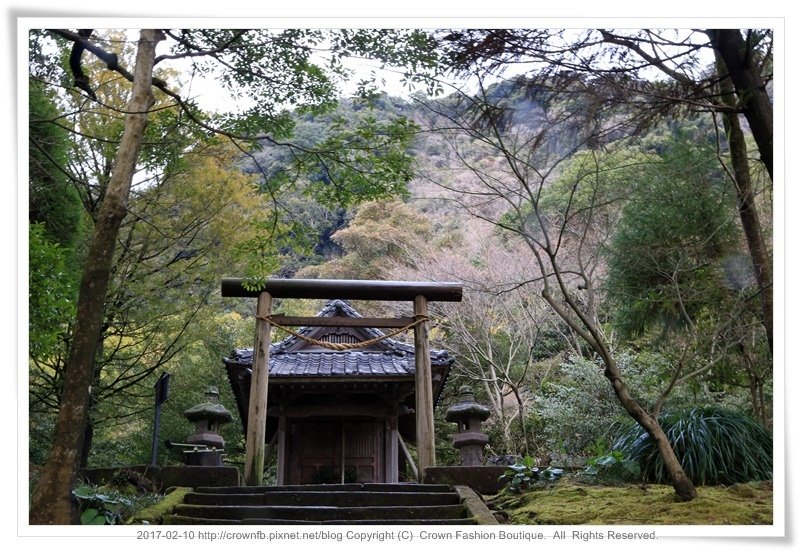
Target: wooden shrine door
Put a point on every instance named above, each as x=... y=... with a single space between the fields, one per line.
x=317 y=449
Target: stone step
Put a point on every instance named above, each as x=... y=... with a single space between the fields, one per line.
x=279 y=488
x=407 y=488
x=320 y=498
x=455 y=521
x=374 y=487
x=187 y=520
x=174 y=519
x=321 y=513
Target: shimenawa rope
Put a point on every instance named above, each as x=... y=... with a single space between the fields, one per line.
x=346 y=346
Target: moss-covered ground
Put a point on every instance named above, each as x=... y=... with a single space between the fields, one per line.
x=154 y=514
x=571 y=503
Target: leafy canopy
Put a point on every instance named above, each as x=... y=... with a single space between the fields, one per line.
x=679 y=224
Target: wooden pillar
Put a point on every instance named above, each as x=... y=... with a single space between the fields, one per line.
x=392 y=456
x=281 y=467
x=257 y=410
x=426 y=455
x=344 y=452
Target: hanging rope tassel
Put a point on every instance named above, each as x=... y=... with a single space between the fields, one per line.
x=419 y=319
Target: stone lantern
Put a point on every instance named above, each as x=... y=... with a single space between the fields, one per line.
x=207 y=417
x=468 y=414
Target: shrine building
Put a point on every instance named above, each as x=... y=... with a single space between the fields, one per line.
x=338 y=416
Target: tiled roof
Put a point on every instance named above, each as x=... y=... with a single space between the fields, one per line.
x=292 y=358
x=347 y=363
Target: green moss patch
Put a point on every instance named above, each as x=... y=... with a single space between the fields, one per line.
x=568 y=503
x=154 y=514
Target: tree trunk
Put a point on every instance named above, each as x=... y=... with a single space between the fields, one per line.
x=683 y=486
x=88 y=438
x=743 y=71
x=745 y=199
x=52 y=501
x=521 y=409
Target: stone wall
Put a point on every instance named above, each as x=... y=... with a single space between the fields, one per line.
x=483 y=479
x=171 y=476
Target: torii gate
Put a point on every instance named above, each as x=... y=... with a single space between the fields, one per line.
x=418 y=292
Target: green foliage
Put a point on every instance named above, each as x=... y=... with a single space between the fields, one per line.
x=664 y=259
x=577 y=407
x=371 y=162
x=414 y=51
x=352 y=155
x=594 y=183
x=41 y=426
x=127 y=440
x=714 y=445
x=446 y=453
x=101 y=505
x=52 y=199
x=523 y=475
x=573 y=410
x=273 y=242
x=275 y=69
x=610 y=465
x=381 y=235
x=122 y=442
x=44 y=60
x=52 y=294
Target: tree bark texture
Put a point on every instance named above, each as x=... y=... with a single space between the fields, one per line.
x=748 y=214
x=746 y=78
x=52 y=502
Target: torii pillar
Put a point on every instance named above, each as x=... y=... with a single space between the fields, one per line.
x=426 y=452
x=257 y=405
x=418 y=292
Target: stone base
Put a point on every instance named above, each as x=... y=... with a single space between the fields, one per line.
x=171 y=476
x=483 y=479
x=205 y=458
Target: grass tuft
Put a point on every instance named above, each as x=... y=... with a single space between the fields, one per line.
x=715 y=446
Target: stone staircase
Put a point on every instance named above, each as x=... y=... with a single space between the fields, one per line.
x=348 y=504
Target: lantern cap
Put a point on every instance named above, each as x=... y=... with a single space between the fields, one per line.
x=466 y=407
x=210 y=409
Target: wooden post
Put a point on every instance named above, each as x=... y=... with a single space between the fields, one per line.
x=426 y=455
x=392 y=451
x=257 y=410
x=344 y=452
x=407 y=456
x=281 y=467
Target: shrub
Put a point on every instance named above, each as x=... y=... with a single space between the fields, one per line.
x=609 y=466
x=108 y=506
x=522 y=475
x=577 y=405
x=715 y=446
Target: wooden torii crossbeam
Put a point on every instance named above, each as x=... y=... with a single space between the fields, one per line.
x=418 y=292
